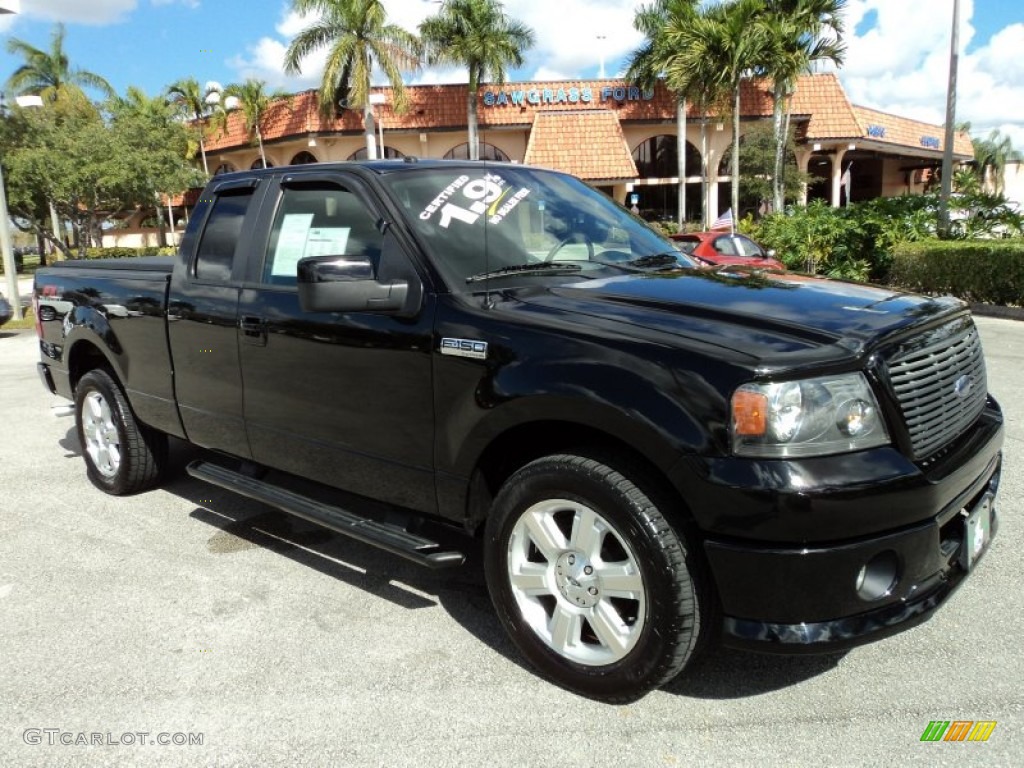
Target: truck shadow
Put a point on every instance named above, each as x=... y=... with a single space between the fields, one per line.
x=241 y=524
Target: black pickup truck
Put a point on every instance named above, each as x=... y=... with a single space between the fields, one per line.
x=652 y=454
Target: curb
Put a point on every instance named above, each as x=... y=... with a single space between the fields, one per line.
x=995 y=310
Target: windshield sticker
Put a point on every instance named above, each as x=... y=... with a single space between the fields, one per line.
x=482 y=196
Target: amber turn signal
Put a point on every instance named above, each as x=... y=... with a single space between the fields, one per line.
x=749 y=413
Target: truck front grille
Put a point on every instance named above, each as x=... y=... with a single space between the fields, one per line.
x=939 y=381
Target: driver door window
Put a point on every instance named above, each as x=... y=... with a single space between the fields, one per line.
x=319 y=221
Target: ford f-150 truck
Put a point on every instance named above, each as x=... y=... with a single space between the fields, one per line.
x=651 y=454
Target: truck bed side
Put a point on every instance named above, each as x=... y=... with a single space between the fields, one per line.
x=112 y=310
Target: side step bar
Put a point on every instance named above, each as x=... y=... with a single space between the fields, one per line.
x=382 y=535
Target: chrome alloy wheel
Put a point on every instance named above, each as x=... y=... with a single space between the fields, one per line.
x=576 y=581
x=102 y=442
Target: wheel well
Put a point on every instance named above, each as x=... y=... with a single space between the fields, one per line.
x=84 y=358
x=520 y=445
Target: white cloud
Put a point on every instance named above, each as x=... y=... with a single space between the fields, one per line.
x=901 y=65
x=186 y=3
x=94 y=12
x=559 y=52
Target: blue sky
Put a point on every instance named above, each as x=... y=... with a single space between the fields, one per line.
x=897 y=61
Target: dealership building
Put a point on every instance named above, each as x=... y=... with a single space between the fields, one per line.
x=610 y=133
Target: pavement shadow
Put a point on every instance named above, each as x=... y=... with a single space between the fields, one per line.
x=239 y=524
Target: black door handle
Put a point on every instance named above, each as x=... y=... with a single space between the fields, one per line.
x=254 y=330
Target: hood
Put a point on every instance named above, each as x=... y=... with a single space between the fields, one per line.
x=770 y=317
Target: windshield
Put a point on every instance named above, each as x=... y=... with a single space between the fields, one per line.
x=481 y=220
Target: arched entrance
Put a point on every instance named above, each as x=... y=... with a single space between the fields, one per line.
x=657 y=158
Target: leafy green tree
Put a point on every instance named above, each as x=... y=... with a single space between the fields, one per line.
x=253 y=102
x=192 y=103
x=92 y=166
x=799 y=34
x=757 y=167
x=358 y=37
x=479 y=35
x=648 y=63
x=49 y=74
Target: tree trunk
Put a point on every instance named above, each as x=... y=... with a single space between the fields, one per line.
x=736 y=160
x=471 y=115
x=781 y=137
x=259 y=138
x=681 y=156
x=202 y=150
x=368 y=129
x=705 y=182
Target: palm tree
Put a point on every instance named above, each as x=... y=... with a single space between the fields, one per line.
x=480 y=36
x=358 y=38
x=647 y=64
x=991 y=156
x=192 y=103
x=739 y=42
x=697 y=69
x=800 y=33
x=253 y=101
x=49 y=74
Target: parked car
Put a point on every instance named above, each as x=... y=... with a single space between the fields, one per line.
x=6 y=311
x=722 y=248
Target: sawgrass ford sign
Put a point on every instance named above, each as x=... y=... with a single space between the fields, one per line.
x=575 y=95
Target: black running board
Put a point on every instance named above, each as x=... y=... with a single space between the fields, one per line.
x=382 y=535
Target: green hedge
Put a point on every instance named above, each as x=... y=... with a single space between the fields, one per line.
x=984 y=271
x=125 y=253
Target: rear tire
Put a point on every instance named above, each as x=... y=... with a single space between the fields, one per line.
x=590 y=580
x=122 y=456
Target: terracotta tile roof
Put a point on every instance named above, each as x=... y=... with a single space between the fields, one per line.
x=892 y=129
x=586 y=143
x=819 y=98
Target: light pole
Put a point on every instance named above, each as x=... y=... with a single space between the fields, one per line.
x=947 y=149
x=600 y=46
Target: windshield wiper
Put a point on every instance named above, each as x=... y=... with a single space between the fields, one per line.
x=657 y=261
x=534 y=268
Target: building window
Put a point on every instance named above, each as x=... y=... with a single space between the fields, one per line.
x=657 y=157
x=304 y=158
x=390 y=153
x=224 y=168
x=258 y=163
x=487 y=152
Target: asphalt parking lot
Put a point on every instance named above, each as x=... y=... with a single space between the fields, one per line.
x=189 y=614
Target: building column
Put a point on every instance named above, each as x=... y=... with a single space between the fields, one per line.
x=803 y=162
x=837 y=176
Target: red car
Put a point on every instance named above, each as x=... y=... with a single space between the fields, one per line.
x=723 y=248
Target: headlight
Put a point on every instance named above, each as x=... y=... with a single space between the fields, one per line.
x=812 y=417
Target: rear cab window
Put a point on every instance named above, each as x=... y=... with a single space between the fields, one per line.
x=221 y=235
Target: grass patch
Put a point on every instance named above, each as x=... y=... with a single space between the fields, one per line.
x=28 y=321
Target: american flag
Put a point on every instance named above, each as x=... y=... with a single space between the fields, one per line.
x=724 y=221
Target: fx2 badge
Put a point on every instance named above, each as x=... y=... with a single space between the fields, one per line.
x=476 y=350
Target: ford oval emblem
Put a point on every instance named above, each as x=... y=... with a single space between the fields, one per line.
x=962 y=387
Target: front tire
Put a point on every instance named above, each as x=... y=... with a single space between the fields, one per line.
x=591 y=582
x=122 y=456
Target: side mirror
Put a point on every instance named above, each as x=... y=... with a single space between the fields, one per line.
x=770 y=253
x=346 y=284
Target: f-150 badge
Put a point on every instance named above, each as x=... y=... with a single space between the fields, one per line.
x=464 y=348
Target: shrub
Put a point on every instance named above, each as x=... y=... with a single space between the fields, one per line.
x=127 y=253
x=985 y=271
